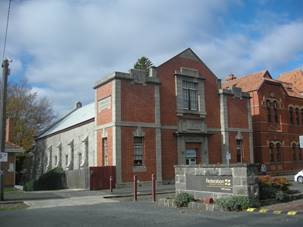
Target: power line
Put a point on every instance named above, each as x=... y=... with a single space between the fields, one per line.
x=7 y=21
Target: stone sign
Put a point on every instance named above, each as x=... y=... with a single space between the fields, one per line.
x=217 y=180
x=210 y=183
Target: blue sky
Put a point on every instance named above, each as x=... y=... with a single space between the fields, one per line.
x=62 y=47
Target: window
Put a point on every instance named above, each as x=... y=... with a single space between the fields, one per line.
x=239 y=150
x=291 y=119
x=278 y=152
x=294 y=151
x=104 y=104
x=66 y=160
x=190 y=95
x=271 y=152
x=138 y=151
x=297 y=116
x=79 y=159
x=104 y=152
x=298 y=152
x=84 y=161
x=275 y=105
x=56 y=160
x=268 y=107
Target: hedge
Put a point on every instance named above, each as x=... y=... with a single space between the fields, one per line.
x=51 y=180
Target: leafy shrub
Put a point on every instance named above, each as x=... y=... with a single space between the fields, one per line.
x=267 y=192
x=236 y=203
x=29 y=186
x=51 y=180
x=270 y=186
x=183 y=199
x=282 y=196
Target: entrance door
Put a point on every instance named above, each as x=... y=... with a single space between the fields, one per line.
x=190 y=157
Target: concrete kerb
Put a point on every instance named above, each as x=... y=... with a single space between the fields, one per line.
x=274 y=212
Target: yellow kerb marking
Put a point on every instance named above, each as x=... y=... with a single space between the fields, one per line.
x=291 y=213
x=251 y=209
x=277 y=212
x=263 y=210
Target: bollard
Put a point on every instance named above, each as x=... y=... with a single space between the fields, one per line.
x=153 y=188
x=111 y=184
x=135 y=188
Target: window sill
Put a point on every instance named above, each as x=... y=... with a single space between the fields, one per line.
x=201 y=114
x=139 y=169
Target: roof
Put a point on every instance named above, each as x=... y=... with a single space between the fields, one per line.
x=75 y=117
x=253 y=82
x=12 y=148
x=295 y=77
x=250 y=82
x=190 y=54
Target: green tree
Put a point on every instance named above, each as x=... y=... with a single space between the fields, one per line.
x=29 y=113
x=143 y=63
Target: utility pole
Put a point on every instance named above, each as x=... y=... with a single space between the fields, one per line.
x=5 y=73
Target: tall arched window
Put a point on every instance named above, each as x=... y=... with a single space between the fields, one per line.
x=294 y=151
x=271 y=152
x=291 y=118
x=298 y=152
x=276 y=116
x=278 y=152
x=268 y=107
x=297 y=116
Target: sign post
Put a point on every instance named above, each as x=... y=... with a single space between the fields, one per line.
x=228 y=157
x=3 y=157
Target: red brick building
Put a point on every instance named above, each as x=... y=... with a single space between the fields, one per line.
x=178 y=114
x=277 y=113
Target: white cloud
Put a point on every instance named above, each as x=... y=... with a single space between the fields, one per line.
x=72 y=44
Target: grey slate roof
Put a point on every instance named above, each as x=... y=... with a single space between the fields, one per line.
x=73 y=118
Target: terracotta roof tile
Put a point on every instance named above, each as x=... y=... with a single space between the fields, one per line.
x=253 y=81
x=247 y=83
x=295 y=77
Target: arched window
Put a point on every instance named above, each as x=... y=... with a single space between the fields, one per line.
x=291 y=118
x=276 y=116
x=297 y=116
x=278 y=152
x=298 y=152
x=239 y=150
x=271 y=152
x=268 y=107
x=294 y=151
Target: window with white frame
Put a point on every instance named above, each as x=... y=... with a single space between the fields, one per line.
x=104 y=103
x=138 y=151
x=190 y=95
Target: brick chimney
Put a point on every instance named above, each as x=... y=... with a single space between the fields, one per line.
x=9 y=130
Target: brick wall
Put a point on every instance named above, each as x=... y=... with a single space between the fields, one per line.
x=127 y=142
x=137 y=102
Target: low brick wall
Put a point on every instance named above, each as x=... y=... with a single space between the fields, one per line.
x=217 y=180
x=78 y=178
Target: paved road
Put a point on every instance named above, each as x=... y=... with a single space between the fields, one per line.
x=138 y=214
